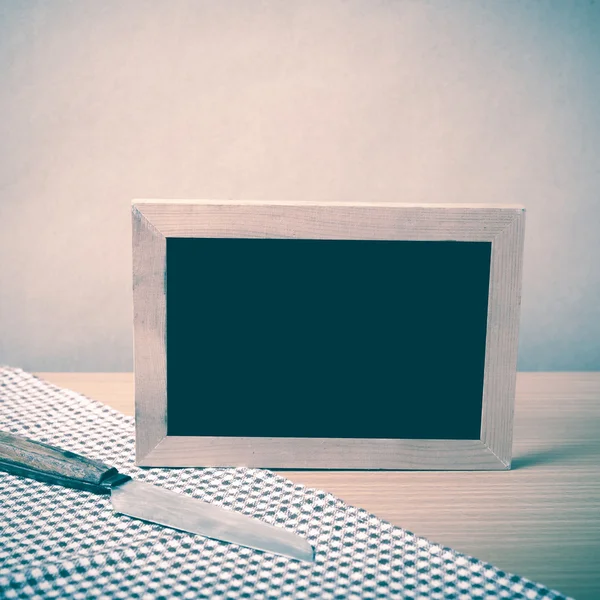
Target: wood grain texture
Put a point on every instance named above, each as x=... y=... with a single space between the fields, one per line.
x=156 y=220
x=540 y=520
x=502 y=339
x=359 y=221
x=322 y=453
x=149 y=325
x=33 y=459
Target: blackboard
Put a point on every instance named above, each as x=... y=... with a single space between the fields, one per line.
x=326 y=338
x=335 y=335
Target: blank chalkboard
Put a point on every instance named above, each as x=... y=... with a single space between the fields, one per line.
x=326 y=338
x=361 y=335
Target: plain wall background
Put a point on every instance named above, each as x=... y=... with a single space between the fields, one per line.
x=415 y=101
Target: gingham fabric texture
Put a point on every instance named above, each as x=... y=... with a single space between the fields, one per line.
x=62 y=543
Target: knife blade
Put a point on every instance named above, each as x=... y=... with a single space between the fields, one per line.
x=28 y=458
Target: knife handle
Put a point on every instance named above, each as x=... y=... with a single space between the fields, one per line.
x=24 y=457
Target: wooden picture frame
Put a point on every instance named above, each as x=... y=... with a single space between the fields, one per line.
x=154 y=221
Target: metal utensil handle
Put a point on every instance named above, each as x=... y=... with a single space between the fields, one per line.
x=27 y=458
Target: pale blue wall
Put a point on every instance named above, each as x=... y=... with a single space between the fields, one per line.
x=428 y=101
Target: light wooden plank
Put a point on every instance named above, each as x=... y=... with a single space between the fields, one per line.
x=540 y=520
x=504 y=307
x=322 y=453
x=381 y=221
x=149 y=324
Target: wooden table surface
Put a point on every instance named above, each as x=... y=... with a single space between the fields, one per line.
x=540 y=520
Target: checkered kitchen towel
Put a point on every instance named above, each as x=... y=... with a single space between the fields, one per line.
x=61 y=543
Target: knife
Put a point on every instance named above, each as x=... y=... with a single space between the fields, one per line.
x=27 y=458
